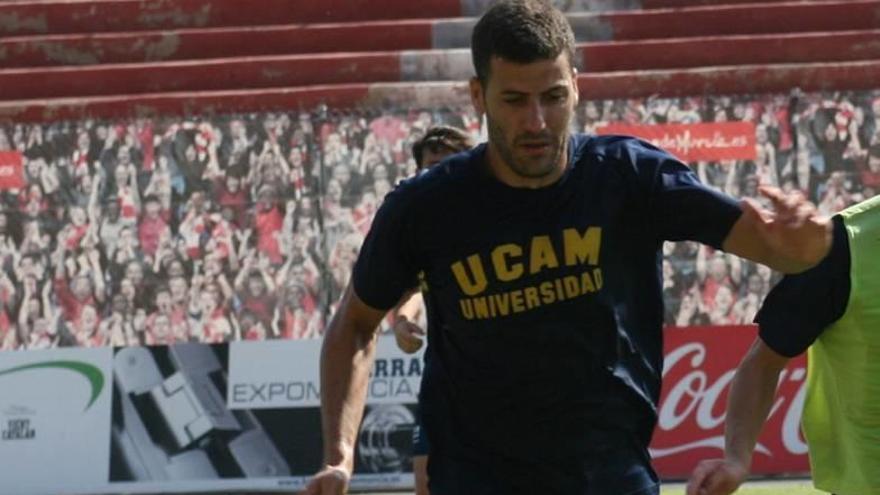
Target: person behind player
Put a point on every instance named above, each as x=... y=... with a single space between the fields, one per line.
x=833 y=311
x=541 y=257
x=438 y=143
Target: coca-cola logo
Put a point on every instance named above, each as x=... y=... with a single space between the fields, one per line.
x=699 y=367
x=7 y=170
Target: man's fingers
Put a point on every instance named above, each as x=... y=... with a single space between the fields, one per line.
x=782 y=203
x=774 y=194
x=723 y=482
x=413 y=330
x=698 y=478
x=311 y=489
x=753 y=209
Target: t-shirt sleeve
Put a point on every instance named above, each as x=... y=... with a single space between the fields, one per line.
x=683 y=208
x=385 y=268
x=802 y=306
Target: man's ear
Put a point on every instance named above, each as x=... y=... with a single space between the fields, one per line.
x=477 y=95
x=574 y=83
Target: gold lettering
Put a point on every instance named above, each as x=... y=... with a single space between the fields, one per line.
x=504 y=270
x=502 y=301
x=560 y=291
x=467 y=309
x=547 y=294
x=481 y=308
x=542 y=255
x=516 y=300
x=587 y=283
x=470 y=286
x=532 y=300
x=597 y=277
x=582 y=249
x=492 y=311
x=572 y=286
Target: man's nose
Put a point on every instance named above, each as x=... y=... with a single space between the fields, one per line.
x=535 y=119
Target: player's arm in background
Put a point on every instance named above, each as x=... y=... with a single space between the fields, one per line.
x=794 y=314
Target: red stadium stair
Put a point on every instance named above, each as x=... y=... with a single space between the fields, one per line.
x=117 y=57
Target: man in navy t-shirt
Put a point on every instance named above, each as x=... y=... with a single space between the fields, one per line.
x=541 y=256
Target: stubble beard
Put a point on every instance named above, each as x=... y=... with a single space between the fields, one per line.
x=525 y=167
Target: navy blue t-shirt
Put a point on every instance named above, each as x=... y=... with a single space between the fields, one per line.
x=544 y=305
x=800 y=307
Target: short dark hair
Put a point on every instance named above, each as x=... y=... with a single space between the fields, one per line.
x=522 y=31
x=441 y=137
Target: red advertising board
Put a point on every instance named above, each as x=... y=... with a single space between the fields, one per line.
x=695 y=142
x=699 y=365
x=11 y=170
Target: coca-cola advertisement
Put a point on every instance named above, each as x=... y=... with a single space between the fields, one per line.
x=699 y=365
x=695 y=142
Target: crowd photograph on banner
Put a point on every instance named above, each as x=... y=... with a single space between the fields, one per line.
x=246 y=227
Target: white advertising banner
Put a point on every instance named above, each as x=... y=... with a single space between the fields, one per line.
x=285 y=374
x=54 y=420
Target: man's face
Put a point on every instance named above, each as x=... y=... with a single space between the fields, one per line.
x=135 y=273
x=178 y=289
x=718 y=267
x=874 y=163
x=121 y=175
x=756 y=284
x=163 y=301
x=82 y=141
x=342 y=174
x=256 y=286
x=434 y=155
x=161 y=326
x=120 y=304
x=88 y=319
x=528 y=110
x=124 y=156
x=232 y=183
x=34 y=167
x=175 y=269
x=81 y=287
x=113 y=211
x=153 y=209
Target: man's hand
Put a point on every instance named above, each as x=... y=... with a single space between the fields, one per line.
x=791 y=238
x=409 y=336
x=332 y=480
x=716 y=477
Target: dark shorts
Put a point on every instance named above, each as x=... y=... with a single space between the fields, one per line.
x=609 y=471
x=421 y=446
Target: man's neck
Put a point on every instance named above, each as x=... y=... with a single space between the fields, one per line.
x=505 y=174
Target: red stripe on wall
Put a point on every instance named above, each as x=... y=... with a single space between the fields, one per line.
x=56 y=17
x=203 y=75
x=86 y=49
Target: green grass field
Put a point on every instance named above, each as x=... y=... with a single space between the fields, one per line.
x=759 y=488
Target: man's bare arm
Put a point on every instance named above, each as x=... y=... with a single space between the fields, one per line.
x=751 y=397
x=346 y=359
